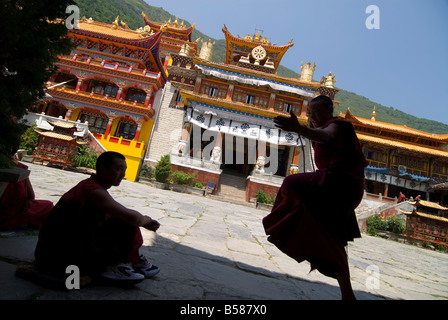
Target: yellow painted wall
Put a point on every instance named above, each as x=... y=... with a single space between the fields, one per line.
x=132 y=152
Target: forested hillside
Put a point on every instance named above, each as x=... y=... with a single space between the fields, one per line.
x=130 y=12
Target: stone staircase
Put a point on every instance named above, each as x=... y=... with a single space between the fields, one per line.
x=232 y=187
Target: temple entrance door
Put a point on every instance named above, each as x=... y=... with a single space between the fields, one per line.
x=238 y=154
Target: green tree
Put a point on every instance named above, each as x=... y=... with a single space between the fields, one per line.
x=163 y=169
x=33 y=35
x=29 y=139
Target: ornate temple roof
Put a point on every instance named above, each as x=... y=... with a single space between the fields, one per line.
x=168 y=26
x=403 y=145
x=425 y=215
x=238 y=45
x=112 y=33
x=111 y=30
x=440 y=138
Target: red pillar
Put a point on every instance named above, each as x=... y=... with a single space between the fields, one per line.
x=109 y=126
x=137 y=133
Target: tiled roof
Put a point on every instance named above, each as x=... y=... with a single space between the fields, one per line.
x=402 y=145
x=426 y=215
x=55 y=135
x=393 y=127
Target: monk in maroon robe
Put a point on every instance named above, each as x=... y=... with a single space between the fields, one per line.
x=89 y=229
x=18 y=206
x=313 y=215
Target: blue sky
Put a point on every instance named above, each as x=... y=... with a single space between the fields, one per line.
x=403 y=64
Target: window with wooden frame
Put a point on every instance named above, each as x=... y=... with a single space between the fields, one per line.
x=213 y=89
x=126 y=129
x=285 y=104
x=252 y=97
x=97 y=123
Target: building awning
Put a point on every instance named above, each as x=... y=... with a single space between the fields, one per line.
x=242 y=127
x=248 y=80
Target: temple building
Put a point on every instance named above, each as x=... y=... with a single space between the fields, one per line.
x=112 y=80
x=428 y=222
x=401 y=159
x=218 y=117
x=175 y=35
x=59 y=145
x=154 y=91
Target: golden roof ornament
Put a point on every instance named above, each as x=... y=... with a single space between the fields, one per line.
x=115 y=23
x=329 y=81
x=373 y=114
x=307 y=71
x=124 y=24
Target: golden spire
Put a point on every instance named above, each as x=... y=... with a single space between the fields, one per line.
x=373 y=114
x=115 y=23
x=176 y=23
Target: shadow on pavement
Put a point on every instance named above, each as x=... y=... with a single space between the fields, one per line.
x=186 y=274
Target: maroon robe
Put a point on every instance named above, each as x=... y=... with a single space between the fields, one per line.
x=313 y=215
x=18 y=207
x=76 y=234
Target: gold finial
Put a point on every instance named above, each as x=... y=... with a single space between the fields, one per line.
x=169 y=22
x=329 y=81
x=257 y=37
x=115 y=23
x=182 y=24
x=176 y=23
x=373 y=114
x=143 y=15
x=307 y=71
x=124 y=25
x=163 y=27
x=249 y=38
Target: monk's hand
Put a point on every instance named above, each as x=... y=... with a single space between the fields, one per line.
x=290 y=124
x=152 y=225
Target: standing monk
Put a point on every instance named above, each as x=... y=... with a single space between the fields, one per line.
x=313 y=216
x=89 y=229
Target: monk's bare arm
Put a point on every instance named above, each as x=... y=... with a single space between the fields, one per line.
x=292 y=124
x=102 y=200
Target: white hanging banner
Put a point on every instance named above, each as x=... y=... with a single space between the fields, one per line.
x=269 y=135
x=288 y=138
x=220 y=124
x=244 y=129
x=200 y=119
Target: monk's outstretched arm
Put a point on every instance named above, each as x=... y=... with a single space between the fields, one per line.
x=292 y=124
x=102 y=200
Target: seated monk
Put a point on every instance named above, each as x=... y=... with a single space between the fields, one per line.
x=313 y=215
x=18 y=206
x=89 y=229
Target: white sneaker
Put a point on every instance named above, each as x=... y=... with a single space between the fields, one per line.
x=122 y=273
x=146 y=268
